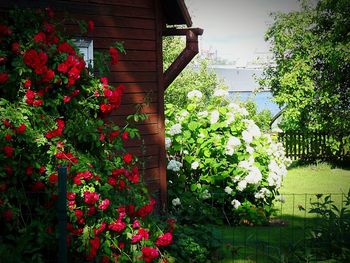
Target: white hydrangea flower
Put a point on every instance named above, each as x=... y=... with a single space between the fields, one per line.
x=243 y=111
x=220 y=93
x=175 y=129
x=174 y=165
x=203 y=114
x=228 y=190
x=214 y=116
x=245 y=164
x=167 y=142
x=236 y=178
x=194 y=165
x=183 y=115
x=247 y=137
x=277 y=130
x=242 y=185
x=250 y=149
x=230 y=118
x=176 y=202
x=232 y=143
x=205 y=194
x=262 y=194
x=235 y=203
x=194 y=94
x=234 y=107
x=254 y=176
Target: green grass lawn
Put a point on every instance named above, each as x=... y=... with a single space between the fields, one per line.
x=271 y=243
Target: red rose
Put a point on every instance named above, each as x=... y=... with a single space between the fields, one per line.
x=100 y=229
x=38 y=103
x=71 y=196
x=112 y=181
x=8 y=215
x=38 y=186
x=125 y=135
x=90 y=197
x=92 y=210
x=113 y=52
x=8 y=150
x=3 y=78
x=49 y=12
x=5 y=30
x=49 y=28
x=94 y=246
x=91 y=25
x=27 y=84
x=117 y=226
x=104 y=204
x=141 y=234
x=53 y=179
x=113 y=135
x=40 y=37
x=49 y=75
x=127 y=157
x=66 y=48
x=8 y=137
x=29 y=170
x=16 y=48
x=149 y=253
x=62 y=67
x=164 y=240
x=21 y=129
x=42 y=169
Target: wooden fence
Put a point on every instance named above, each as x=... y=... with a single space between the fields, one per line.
x=311 y=146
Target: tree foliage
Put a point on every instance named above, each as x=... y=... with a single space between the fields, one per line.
x=195 y=76
x=310 y=77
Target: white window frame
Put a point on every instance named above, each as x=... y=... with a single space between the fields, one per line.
x=86 y=48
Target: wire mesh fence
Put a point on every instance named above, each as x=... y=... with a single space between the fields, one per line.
x=304 y=228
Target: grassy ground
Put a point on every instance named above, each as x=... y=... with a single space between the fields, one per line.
x=271 y=244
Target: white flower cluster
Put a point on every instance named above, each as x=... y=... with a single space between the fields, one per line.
x=276 y=173
x=175 y=129
x=167 y=142
x=176 y=202
x=183 y=114
x=220 y=93
x=235 y=203
x=254 y=175
x=228 y=190
x=174 y=166
x=232 y=143
x=205 y=194
x=263 y=193
x=214 y=116
x=238 y=109
x=195 y=165
x=194 y=94
x=203 y=114
x=251 y=132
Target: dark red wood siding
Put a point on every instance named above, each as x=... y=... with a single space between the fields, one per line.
x=137 y=23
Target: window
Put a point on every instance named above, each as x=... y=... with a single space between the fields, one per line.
x=86 y=48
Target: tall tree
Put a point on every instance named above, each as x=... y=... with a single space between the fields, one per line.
x=310 y=77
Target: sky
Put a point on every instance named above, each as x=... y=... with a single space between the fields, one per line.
x=236 y=28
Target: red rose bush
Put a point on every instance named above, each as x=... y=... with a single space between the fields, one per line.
x=54 y=113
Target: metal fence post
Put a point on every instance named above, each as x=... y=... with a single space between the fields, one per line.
x=62 y=215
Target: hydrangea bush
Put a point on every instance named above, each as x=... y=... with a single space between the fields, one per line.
x=218 y=157
x=54 y=113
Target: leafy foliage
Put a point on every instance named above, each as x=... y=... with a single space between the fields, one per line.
x=220 y=163
x=310 y=77
x=196 y=76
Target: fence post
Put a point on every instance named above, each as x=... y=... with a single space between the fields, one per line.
x=62 y=215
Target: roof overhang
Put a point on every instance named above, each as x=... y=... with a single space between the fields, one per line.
x=176 y=13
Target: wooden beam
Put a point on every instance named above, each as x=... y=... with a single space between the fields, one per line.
x=185 y=56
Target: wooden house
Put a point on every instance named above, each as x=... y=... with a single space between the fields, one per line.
x=140 y=24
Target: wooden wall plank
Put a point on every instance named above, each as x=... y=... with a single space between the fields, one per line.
x=134 y=66
x=132 y=77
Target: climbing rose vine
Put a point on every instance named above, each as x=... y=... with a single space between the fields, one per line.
x=54 y=113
